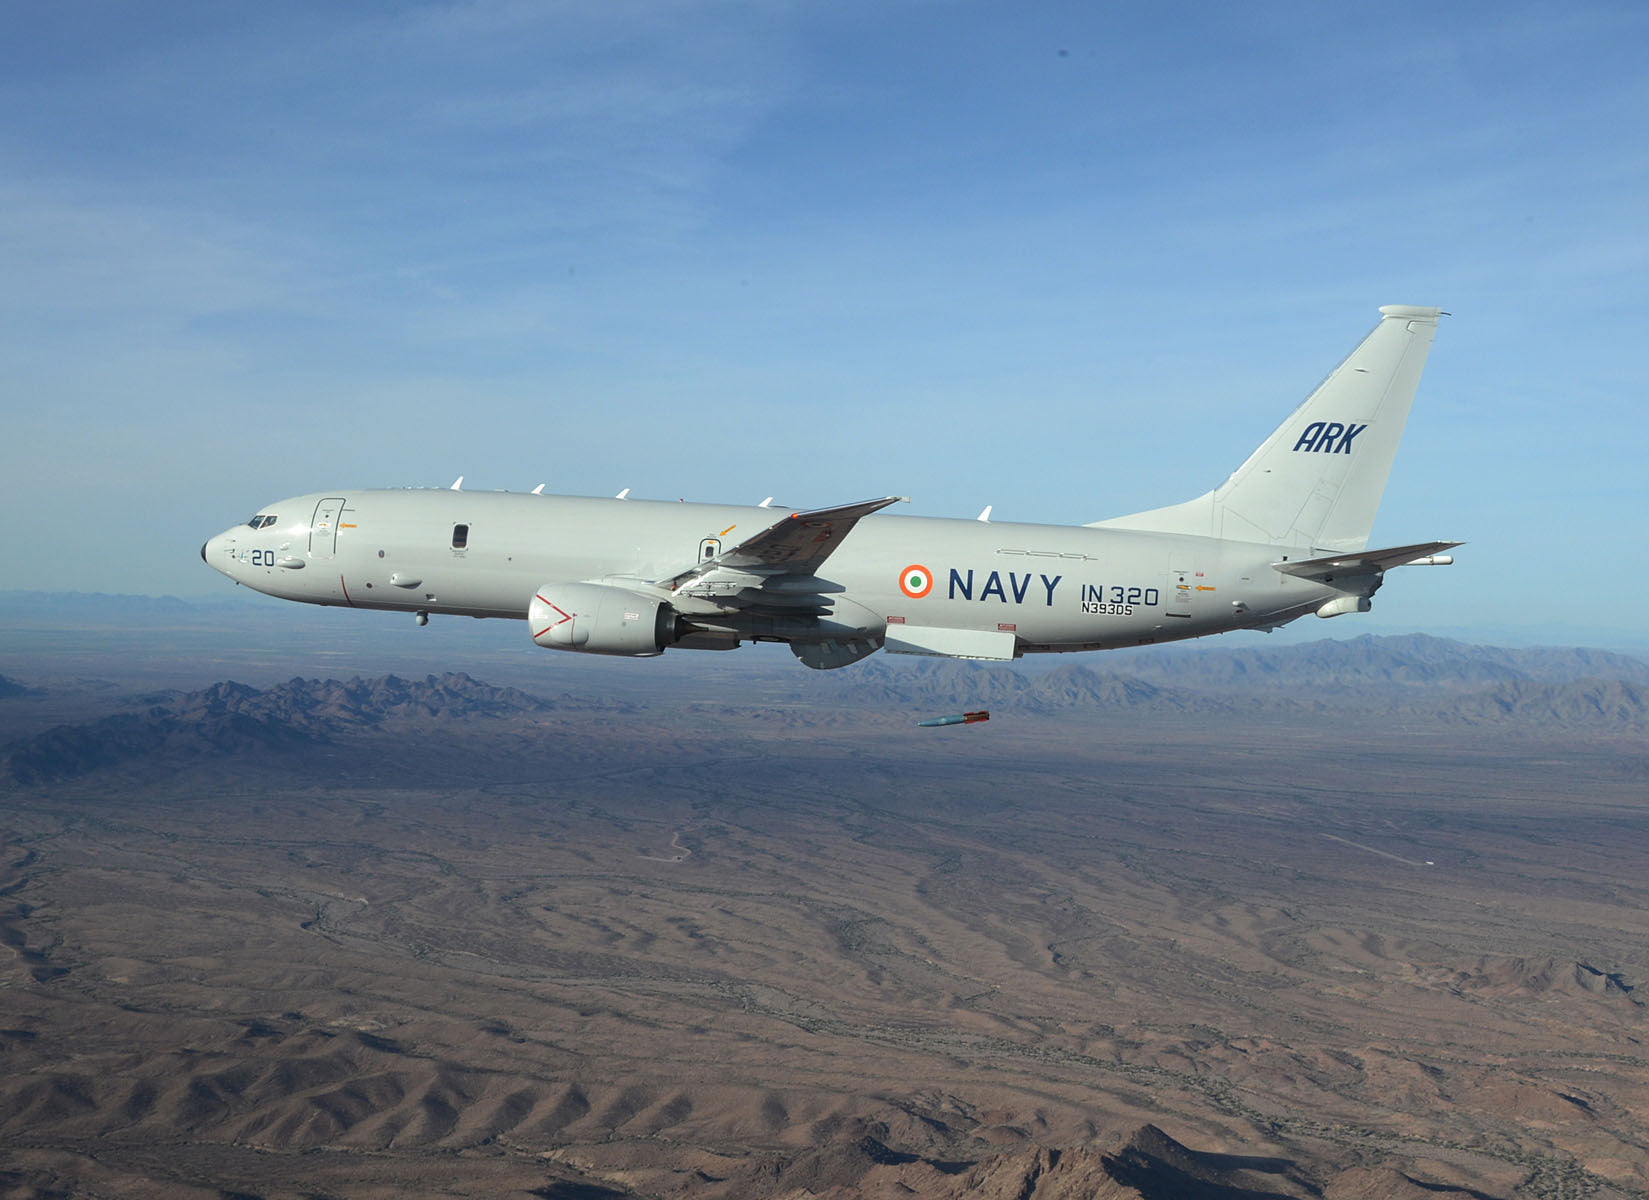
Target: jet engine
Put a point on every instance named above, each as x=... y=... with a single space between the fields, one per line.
x=597 y=619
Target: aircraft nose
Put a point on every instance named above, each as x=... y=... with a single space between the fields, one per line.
x=211 y=552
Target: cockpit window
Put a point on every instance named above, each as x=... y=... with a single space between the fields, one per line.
x=256 y=522
x=268 y=521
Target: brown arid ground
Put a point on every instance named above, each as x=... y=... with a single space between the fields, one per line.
x=748 y=950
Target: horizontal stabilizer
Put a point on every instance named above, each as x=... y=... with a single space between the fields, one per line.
x=1363 y=562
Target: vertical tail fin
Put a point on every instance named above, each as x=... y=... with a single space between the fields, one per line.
x=1318 y=479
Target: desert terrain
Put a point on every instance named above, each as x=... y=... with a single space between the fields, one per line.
x=1362 y=919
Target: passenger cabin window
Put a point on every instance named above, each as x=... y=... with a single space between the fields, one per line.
x=460 y=536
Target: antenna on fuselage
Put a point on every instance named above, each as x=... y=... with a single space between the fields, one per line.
x=539 y=490
x=624 y=495
x=457 y=485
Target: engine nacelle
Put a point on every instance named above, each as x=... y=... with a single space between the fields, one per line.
x=1344 y=605
x=597 y=619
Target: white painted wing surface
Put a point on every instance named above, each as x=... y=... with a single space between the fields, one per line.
x=783 y=558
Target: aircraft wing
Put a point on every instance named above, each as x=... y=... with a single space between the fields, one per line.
x=1361 y=562
x=777 y=566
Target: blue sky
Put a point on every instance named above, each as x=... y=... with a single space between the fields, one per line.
x=1070 y=260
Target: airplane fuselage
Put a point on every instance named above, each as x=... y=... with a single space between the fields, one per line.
x=486 y=554
x=1285 y=535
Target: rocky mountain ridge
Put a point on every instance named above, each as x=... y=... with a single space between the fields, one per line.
x=232 y=717
x=1408 y=661
x=1408 y=679
x=1550 y=689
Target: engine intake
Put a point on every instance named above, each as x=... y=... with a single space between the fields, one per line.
x=597 y=619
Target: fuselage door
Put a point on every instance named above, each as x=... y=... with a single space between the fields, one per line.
x=1181 y=583
x=323 y=530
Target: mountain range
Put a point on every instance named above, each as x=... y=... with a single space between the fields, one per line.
x=230 y=717
x=1409 y=679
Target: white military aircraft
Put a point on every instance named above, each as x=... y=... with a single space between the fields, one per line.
x=1283 y=537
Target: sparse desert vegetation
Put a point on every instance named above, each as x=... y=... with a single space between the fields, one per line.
x=439 y=937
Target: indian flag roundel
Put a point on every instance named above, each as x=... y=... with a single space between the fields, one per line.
x=916 y=581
